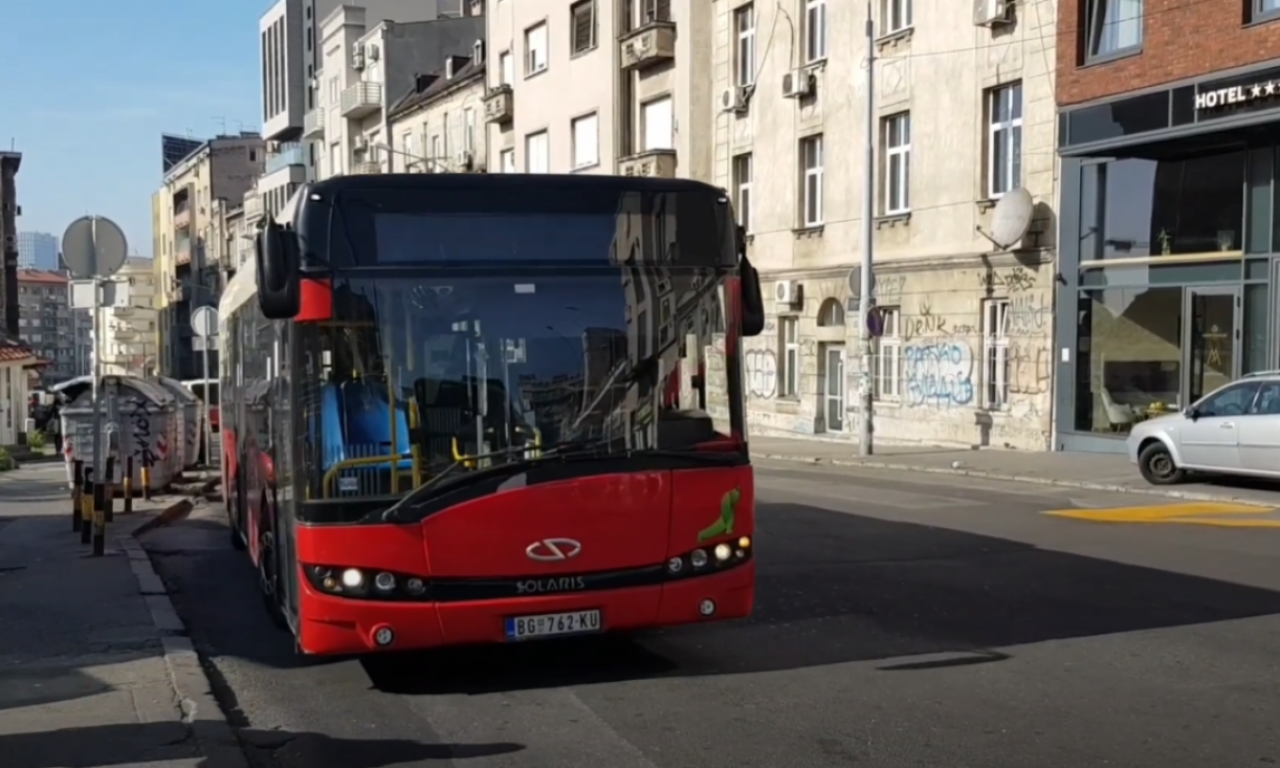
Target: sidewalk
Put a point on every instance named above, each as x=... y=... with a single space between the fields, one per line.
x=94 y=672
x=1100 y=472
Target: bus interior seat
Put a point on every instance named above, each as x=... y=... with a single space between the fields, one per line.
x=368 y=413
x=445 y=409
x=333 y=447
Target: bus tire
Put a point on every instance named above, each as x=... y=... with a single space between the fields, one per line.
x=235 y=513
x=268 y=573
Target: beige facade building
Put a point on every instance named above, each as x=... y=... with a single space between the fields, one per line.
x=438 y=128
x=600 y=86
x=367 y=67
x=128 y=345
x=186 y=214
x=964 y=113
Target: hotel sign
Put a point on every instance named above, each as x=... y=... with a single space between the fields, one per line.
x=1237 y=95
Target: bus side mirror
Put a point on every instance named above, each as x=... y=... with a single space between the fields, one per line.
x=279 y=284
x=752 y=301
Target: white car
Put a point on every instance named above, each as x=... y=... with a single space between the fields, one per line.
x=1234 y=430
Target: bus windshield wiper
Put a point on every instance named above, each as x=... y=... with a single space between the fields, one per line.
x=572 y=450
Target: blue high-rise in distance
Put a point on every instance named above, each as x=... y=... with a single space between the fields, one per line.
x=38 y=250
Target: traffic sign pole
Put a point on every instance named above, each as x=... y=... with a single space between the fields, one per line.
x=204 y=321
x=94 y=249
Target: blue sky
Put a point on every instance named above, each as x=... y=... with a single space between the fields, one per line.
x=91 y=86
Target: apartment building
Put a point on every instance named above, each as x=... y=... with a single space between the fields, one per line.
x=438 y=126
x=963 y=115
x=51 y=328
x=1170 y=229
x=600 y=86
x=38 y=250
x=128 y=346
x=186 y=213
x=367 y=69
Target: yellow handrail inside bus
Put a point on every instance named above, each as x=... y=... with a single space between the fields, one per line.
x=395 y=428
x=415 y=449
x=365 y=461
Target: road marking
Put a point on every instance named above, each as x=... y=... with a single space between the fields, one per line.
x=1221 y=514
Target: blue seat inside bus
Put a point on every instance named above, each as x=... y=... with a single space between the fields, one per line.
x=356 y=421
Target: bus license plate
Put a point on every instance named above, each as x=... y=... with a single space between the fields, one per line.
x=552 y=625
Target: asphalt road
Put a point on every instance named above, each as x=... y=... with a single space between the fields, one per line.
x=902 y=620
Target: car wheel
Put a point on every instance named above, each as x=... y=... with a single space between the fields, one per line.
x=1156 y=464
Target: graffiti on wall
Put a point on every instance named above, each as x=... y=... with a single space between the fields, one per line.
x=924 y=323
x=762 y=373
x=1029 y=315
x=1012 y=281
x=148 y=448
x=938 y=374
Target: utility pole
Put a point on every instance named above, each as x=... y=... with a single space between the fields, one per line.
x=866 y=427
x=9 y=164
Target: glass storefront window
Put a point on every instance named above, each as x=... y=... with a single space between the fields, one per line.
x=1255 y=328
x=1143 y=207
x=1129 y=363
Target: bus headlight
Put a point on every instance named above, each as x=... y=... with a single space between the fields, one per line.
x=704 y=560
x=367 y=584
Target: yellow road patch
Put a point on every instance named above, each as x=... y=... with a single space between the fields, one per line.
x=1189 y=513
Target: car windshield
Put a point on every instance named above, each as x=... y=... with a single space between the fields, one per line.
x=427 y=367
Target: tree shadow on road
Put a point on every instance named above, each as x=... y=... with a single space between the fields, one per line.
x=836 y=588
x=135 y=744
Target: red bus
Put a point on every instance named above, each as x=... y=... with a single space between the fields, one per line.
x=466 y=409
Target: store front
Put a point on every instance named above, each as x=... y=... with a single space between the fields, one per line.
x=1169 y=251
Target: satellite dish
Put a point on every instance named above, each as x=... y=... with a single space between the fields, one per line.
x=1012 y=218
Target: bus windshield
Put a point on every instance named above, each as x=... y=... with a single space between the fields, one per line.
x=426 y=366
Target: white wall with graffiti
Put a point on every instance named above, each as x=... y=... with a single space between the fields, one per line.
x=966 y=358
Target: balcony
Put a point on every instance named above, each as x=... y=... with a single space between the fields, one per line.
x=313 y=124
x=654 y=163
x=499 y=105
x=361 y=100
x=366 y=168
x=182 y=216
x=182 y=253
x=654 y=43
x=289 y=154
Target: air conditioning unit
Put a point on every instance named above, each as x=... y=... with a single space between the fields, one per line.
x=464 y=160
x=991 y=13
x=361 y=143
x=786 y=293
x=733 y=99
x=797 y=83
x=371 y=52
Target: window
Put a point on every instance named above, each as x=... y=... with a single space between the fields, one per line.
x=535 y=49
x=653 y=10
x=811 y=183
x=1268 y=402
x=895 y=17
x=409 y=153
x=742 y=189
x=888 y=363
x=437 y=153
x=507 y=161
x=789 y=381
x=1115 y=26
x=897 y=163
x=506 y=68
x=995 y=352
x=658 y=124
x=1265 y=9
x=537 y=157
x=583 y=22
x=469 y=129
x=586 y=142
x=1235 y=400
x=815 y=30
x=744 y=21
x=1004 y=140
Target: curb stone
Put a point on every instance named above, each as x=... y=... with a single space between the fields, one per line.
x=193 y=691
x=982 y=473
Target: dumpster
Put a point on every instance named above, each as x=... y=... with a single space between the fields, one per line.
x=188 y=412
x=146 y=426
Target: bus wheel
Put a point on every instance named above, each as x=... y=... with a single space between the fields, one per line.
x=270 y=581
x=235 y=514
